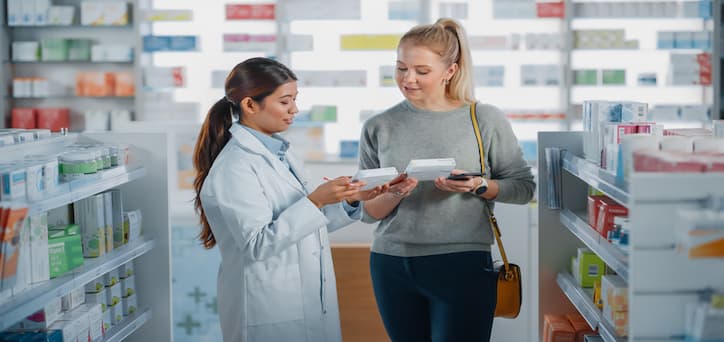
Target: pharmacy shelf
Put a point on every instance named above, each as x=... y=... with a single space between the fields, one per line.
x=55 y=139
x=89 y=185
x=583 y=301
x=610 y=254
x=55 y=27
x=128 y=325
x=63 y=97
x=68 y=62
x=36 y=297
x=596 y=177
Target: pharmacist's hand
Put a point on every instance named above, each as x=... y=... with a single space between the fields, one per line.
x=334 y=191
x=445 y=184
x=402 y=186
x=366 y=195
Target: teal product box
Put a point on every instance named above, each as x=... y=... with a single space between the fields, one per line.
x=53 y=49
x=79 y=49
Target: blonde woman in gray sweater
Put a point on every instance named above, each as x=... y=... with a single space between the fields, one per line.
x=431 y=267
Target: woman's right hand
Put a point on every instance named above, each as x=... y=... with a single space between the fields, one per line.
x=334 y=191
x=402 y=186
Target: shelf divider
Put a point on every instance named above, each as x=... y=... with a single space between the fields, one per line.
x=596 y=177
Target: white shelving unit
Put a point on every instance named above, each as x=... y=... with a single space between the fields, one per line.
x=144 y=185
x=661 y=281
x=62 y=73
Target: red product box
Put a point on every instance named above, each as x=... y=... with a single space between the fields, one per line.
x=593 y=203
x=551 y=9
x=579 y=325
x=607 y=210
x=53 y=118
x=682 y=163
x=23 y=118
x=703 y=57
x=250 y=12
x=705 y=79
x=647 y=161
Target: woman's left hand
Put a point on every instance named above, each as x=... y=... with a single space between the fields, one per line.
x=445 y=184
x=366 y=195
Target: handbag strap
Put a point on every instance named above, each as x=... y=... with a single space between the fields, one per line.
x=491 y=215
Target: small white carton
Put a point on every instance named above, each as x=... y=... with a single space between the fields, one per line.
x=429 y=169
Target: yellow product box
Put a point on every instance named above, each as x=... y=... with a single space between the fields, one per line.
x=369 y=41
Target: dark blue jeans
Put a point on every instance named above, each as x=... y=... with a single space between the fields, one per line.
x=439 y=298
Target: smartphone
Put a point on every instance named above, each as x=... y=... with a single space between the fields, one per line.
x=464 y=176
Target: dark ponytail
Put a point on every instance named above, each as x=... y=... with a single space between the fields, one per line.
x=255 y=78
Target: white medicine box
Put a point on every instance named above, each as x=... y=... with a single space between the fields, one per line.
x=113 y=295
x=128 y=286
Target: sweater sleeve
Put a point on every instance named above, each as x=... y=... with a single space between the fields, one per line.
x=507 y=165
x=368 y=159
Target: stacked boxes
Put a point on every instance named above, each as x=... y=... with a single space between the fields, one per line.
x=587 y=267
x=614 y=294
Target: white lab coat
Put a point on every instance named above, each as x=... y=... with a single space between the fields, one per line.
x=276 y=280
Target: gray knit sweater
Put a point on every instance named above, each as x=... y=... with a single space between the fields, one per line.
x=431 y=221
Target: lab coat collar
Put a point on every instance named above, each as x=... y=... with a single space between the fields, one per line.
x=249 y=142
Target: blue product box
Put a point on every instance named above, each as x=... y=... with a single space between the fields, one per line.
x=348 y=148
x=705 y=9
x=182 y=43
x=156 y=43
x=529 y=149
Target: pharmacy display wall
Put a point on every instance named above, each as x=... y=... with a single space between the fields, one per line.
x=665 y=280
x=92 y=265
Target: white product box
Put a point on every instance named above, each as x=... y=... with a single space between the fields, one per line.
x=111 y=278
x=132 y=224
x=96 y=120
x=61 y=15
x=40 y=264
x=89 y=216
x=115 y=13
x=27 y=13
x=164 y=77
x=116 y=314
x=41 y=12
x=107 y=319
x=25 y=51
x=429 y=169
x=375 y=177
x=117 y=221
x=13 y=182
x=82 y=319
x=44 y=317
x=108 y=216
x=91 y=13
x=70 y=329
x=128 y=286
x=24 y=262
x=130 y=305
x=113 y=295
x=14 y=12
x=73 y=299
x=119 y=118
x=126 y=270
x=95 y=316
x=34 y=186
x=99 y=298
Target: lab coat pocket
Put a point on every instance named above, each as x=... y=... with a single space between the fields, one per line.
x=274 y=296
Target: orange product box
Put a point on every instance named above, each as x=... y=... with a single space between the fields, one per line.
x=124 y=85
x=607 y=210
x=557 y=329
x=23 y=118
x=94 y=84
x=53 y=118
x=9 y=245
x=579 y=325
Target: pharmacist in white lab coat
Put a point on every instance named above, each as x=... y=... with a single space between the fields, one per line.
x=276 y=280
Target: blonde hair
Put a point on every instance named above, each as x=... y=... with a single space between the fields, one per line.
x=447 y=38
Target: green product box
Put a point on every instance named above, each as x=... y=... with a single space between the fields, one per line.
x=586 y=77
x=323 y=113
x=79 y=50
x=54 y=49
x=613 y=77
x=57 y=259
x=70 y=235
x=588 y=267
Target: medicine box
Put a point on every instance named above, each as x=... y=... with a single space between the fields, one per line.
x=99 y=298
x=375 y=177
x=113 y=295
x=128 y=286
x=111 y=278
x=44 y=317
x=129 y=304
x=95 y=286
x=72 y=300
x=126 y=270
x=589 y=267
x=429 y=169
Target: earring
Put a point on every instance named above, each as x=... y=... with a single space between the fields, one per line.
x=447 y=81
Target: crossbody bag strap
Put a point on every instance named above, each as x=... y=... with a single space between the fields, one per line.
x=491 y=215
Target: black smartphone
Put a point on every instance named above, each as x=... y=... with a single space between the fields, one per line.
x=464 y=176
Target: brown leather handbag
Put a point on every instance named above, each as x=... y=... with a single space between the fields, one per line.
x=510 y=287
